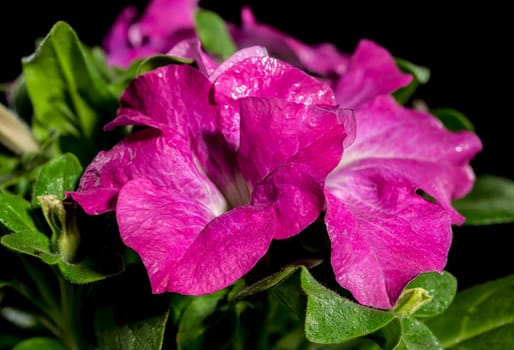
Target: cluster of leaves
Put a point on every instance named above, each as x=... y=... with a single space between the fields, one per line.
x=67 y=282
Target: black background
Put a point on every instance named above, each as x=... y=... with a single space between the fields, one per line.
x=466 y=48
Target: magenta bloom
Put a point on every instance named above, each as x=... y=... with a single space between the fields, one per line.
x=383 y=231
x=198 y=209
x=163 y=24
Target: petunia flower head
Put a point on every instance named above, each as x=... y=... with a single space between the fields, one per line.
x=387 y=203
x=162 y=24
x=200 y=197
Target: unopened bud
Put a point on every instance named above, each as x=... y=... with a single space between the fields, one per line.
x=411 y=300
x=15 y=134
x=65 y=238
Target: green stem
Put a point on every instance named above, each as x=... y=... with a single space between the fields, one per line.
x=72 y=335
x=48 y=303
x=62 y=312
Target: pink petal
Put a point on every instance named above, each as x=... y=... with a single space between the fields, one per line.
x=96 y=200
x=163 y=24
x=371 y=72
x=383 y=232
x=275 y=132
x=436 y=160
x=286 y=151
x=116 y=39
x=264 y=76
x=298 y=195
x=166 y=161
x=174 y=97
x=163 y=18
x=383 y=239
x=238 y=56
x=185 y=248
x=323 y=59
x=192 y=49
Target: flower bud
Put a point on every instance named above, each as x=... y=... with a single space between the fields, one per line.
x=65 y=238
x=15 y=134
x=411 y=300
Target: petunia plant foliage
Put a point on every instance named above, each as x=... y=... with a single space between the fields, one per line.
x=194 y=183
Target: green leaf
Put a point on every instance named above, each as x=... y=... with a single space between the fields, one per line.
x=213 y=34
x=33 y=243
x=479 y=316
x=179 y=303
x=85 y=272
x=328 y=317
x=8 y=170
x=8 y=164
x=120 y=78
x=24 y=237
x=332 y=319
x=414 y=335
x=491 y=201
x=67 y=92
x=15 y=213
x=442 y=287
x=420 y=74
x=7 y=341
x=4 y=283
x=193 y=324
x=283 y=322
x=268 y=282
x=452 y=119
x=157 y=61
x=57 y=176
x=40 y=343
x=19 y=98
x=145 y=334
x=37 y=244
x=216 y=321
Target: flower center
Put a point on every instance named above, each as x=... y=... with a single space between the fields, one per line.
x=236 y=191
x=223 y=169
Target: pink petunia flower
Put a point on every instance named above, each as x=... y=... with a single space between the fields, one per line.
x=198 y=209
x=373 y=231
x=162 y=24
x=383 y=231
